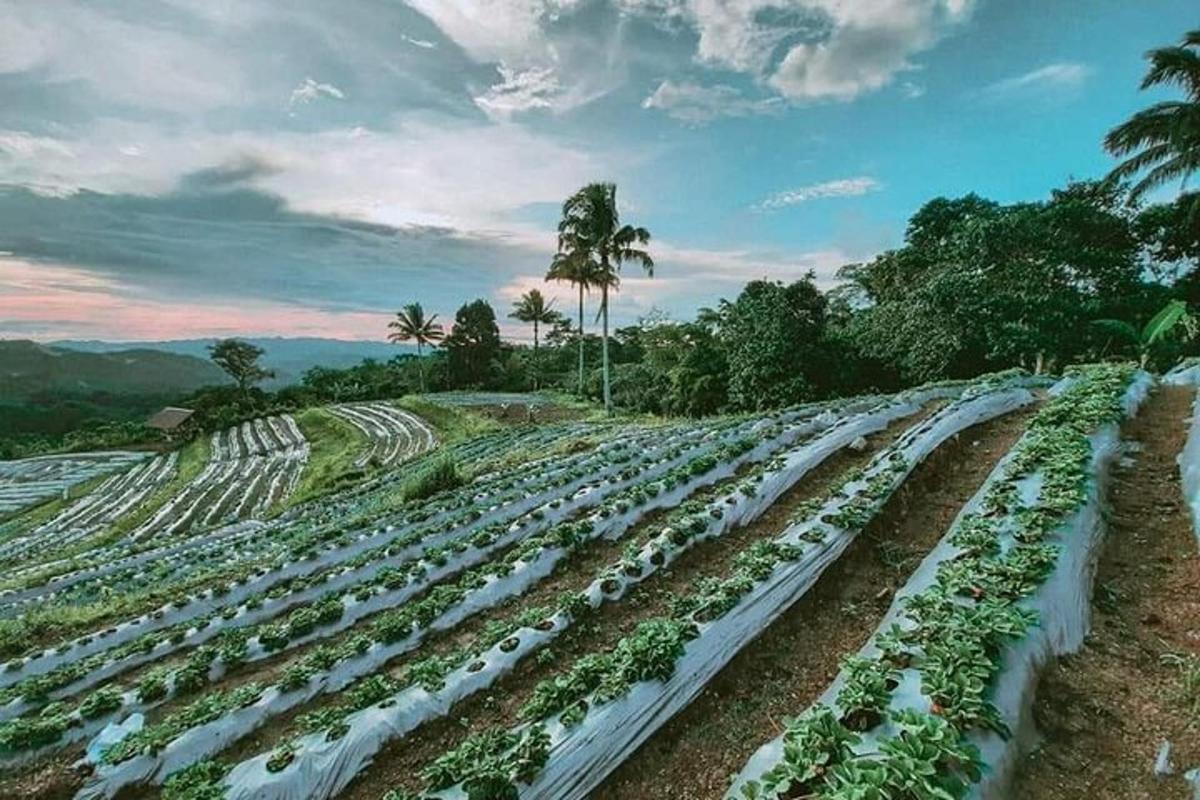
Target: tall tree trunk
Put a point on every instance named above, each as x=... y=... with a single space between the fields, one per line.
x=604 y=313
x=420 y=368
x=535 y=355
x=581 y=340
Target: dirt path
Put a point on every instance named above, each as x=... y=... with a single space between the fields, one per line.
x=782 y=672
x=1105 y=711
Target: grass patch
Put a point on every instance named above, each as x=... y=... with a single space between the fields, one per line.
x=334 y=446
x=453 y=424
x=442 y=475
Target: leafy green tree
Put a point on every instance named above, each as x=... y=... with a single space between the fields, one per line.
x=240 y=361
x=1162 y=143
x=411 y=324
x=532 y=307
x=590 y=220
x=981 y=286
x=772 y=338
x=473 y=346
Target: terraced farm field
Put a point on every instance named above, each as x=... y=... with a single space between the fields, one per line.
x=394 y=435
x=853 y=599
x=31 y=480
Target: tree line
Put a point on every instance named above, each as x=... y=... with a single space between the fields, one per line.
x=1089 y=273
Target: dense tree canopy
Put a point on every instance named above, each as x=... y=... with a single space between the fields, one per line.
x=473 y=347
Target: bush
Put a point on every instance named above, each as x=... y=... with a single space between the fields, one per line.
x=440 y=476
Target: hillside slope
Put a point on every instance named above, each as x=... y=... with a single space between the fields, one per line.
x=288 y=357
x=28 y=368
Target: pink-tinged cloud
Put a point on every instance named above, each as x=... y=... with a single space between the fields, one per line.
x=46 y=302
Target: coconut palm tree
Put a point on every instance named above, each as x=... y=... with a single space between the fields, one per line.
x=590 y=216
x=532 y=307
x=410 y=324
x=574 y=264
x=1163 y=140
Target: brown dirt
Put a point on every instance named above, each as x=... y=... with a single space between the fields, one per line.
x=783 y=671
x=399 y=764
x=50 y=779
x=1104 y=711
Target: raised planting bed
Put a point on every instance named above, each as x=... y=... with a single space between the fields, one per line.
x=589 y=719
x=393 y=435
x=938 y=703
x=326 y=761
x=478 y=590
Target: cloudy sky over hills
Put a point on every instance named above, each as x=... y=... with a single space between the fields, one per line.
x=209 y=167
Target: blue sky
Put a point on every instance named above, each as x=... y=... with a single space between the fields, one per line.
x=208 y=167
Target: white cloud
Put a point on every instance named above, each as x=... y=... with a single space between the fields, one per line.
x=697 y=104
x=520 y=90
x=492 y=31
x=419 y=169
x=424 y=44
x=912 y=90
x=1052 y=77
x=310 y=90
x=138 y=65
x=843 y=187
x=22 y=145
x=832 y=49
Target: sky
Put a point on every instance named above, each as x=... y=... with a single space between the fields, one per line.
x=185 y=168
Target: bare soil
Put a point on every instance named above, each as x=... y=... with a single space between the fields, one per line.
x=400 y=763
x=784 y=670
x=1105 y=711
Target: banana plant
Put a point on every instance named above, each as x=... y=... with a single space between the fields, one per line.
x=1172 y=315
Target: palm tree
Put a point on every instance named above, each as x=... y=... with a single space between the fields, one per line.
x=1164 y=138
x=574 y=264
x=590 y=216
x=532 y=307
x=410 y=324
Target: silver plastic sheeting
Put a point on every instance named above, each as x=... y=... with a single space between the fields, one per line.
x=320 y=768
x=1186 y=373
x=1063 y=604
x=208 y=739
x=581 y=756
x=1189 y=467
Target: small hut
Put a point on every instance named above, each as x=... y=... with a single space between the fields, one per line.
x=171 y=420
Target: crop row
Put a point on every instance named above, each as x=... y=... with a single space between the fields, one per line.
x=252 y=467
x=347 y=737
x=393 y=435
x=199 y=551
x=930 y=706
x=33 y=480
x=474 y=591
x=364 y=576
x=99 y=508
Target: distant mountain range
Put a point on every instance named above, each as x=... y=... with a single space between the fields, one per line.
x=27 y=368
x=288 y=357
